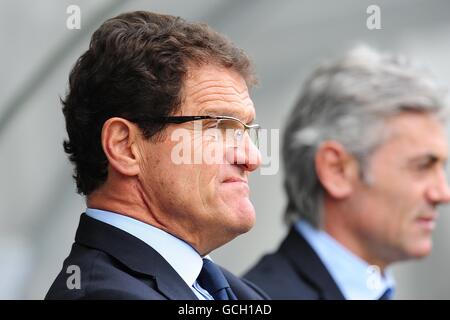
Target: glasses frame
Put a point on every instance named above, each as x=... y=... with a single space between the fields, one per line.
x=184 y=119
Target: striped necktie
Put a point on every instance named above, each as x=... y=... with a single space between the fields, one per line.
x=213 y=280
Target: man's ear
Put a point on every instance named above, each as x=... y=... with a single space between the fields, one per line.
x=336 y=169
x=119 y=141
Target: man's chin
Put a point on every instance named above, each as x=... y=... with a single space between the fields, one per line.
x=244 y=215
x=422 y=250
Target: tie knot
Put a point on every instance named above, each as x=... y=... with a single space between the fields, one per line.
x=213 y=280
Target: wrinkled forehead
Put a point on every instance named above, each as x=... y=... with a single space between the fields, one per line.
x=211 y=90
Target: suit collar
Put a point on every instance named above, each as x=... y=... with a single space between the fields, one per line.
x=135 y=254
x=355 y=277
x=183 y=258
x=309 y=265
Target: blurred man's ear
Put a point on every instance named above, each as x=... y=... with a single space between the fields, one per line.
x=119 y=142
x=336 y=169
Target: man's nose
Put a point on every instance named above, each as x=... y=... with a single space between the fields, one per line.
x=440 y=191
x=245 y=154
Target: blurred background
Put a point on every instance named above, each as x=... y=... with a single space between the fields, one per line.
x=39 y=208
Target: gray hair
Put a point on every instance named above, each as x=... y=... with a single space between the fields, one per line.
x=348 y=101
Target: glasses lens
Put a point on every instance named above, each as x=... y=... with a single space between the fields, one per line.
x=234 y=131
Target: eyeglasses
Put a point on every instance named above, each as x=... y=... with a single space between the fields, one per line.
x=223 y=125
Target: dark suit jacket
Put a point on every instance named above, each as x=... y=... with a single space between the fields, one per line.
x=117 y=265
x=295 y=271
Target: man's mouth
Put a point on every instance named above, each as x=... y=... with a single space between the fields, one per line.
x=235 y=179
x=428 y=222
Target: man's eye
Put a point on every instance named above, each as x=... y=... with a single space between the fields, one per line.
x=423 y=165
x=239 y=133
x=208 y=124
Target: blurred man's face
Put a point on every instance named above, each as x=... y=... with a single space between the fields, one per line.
x=205 y=203
x=397 y=208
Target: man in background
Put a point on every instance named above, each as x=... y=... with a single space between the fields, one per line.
x=152 y=217
x=364 y=153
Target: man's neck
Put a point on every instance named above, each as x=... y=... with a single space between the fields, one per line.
x=135 y=205
x=339 y=229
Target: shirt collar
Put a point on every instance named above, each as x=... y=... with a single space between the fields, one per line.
x=179 y=254
x=355 y=277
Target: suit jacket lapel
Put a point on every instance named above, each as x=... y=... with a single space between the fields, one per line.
x=135 y=254
x=309 y=265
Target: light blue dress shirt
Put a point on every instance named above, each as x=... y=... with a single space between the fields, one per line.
x=356 y=279
x=180 y=255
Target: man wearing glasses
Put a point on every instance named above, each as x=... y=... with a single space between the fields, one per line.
x=151 y=221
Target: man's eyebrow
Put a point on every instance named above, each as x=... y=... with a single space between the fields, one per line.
x=429 y=158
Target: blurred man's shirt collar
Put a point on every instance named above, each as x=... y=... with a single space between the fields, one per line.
x=356 y=279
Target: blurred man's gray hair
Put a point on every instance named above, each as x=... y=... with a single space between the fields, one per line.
x=347 y=101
